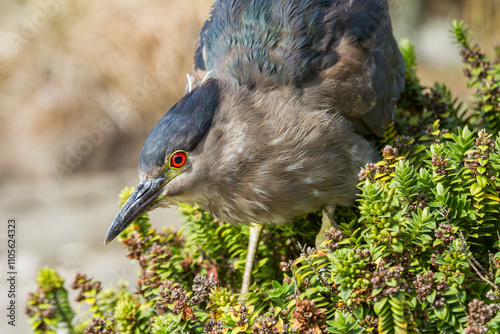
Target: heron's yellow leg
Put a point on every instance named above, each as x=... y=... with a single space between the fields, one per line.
x=326 y=222
x=255 y=231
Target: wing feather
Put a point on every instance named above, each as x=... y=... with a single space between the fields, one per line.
x=338 y=54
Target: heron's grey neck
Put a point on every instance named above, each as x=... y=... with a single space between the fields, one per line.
x=269 y=159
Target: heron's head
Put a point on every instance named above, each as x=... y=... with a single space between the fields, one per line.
x=166 y=154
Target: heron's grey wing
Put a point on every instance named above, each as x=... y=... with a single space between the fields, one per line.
x=263 y=43
x=362 y=70
x=338 y=54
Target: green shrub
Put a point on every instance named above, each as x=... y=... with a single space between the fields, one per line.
x=419 y=253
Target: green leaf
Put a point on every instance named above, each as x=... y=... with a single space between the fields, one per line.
x=440 y=189
x=475 y=189
x=380 y=305
x=398 y=247
x=345 y=293
x=441 y=312
x=432 y=296
x=376 y=291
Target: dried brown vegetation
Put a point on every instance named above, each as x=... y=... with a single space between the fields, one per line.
x=66 y=66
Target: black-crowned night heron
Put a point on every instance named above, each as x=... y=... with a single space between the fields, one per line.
x=273 y=122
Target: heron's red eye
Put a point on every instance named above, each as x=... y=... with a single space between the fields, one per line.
x=178 y=159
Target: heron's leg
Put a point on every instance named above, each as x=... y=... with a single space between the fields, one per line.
x=255 y=230
x=326 y=222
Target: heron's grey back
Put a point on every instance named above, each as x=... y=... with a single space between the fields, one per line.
x=340 y=54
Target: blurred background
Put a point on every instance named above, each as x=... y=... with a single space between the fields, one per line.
x=83 y=82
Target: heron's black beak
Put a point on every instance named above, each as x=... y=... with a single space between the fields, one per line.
x=144 y=196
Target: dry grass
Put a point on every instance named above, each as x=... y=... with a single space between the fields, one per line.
x=67 y=67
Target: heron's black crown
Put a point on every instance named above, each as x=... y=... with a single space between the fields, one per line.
x=182 y=128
